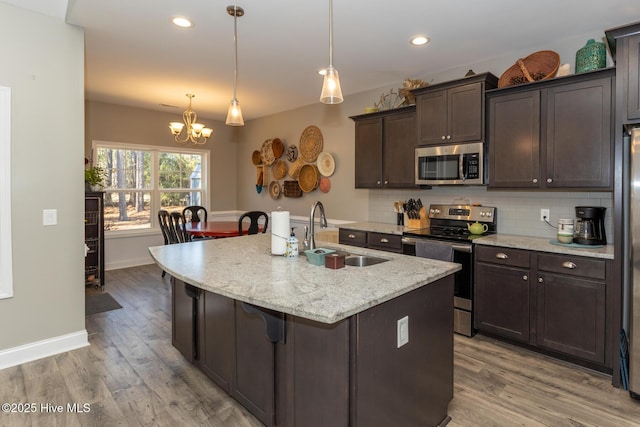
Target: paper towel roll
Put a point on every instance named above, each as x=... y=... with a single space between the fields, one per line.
x=280 y=231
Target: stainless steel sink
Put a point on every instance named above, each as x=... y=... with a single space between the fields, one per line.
x=363 y=260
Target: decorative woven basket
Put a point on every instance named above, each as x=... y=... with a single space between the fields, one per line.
x=540 y=65
x=291 y=189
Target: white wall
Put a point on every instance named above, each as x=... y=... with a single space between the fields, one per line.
x=43 y=64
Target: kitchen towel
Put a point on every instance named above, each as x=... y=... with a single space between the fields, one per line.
x=280 y=231
x=434 y=250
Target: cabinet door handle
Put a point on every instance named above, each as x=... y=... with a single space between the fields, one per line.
x=540 y=280
x=443 y=137
x=384 y=240
x=448 y=136
x=535 y=180
x=501 y=255
x=378 y=182
x=549 y=180
x=570 y=265
x=525 y=277
x=351 y=236
x=386 y=182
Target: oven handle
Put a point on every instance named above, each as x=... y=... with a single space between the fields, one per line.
x=456 y=246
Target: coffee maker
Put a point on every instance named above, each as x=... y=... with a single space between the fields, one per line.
x=589 y=228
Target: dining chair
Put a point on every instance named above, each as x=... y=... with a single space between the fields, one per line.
x=194 y=214
x=254 y=216
x=163 y=220
x=176 y=227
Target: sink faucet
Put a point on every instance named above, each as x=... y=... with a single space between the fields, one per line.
x=323 y=223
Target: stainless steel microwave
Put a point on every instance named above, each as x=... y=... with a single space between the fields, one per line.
x=461 y=164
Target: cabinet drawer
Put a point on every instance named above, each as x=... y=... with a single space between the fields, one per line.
x=502 y=256
x=385 y=242
x=572 y=265
x=352 y=237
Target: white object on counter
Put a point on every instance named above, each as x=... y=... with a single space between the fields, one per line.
x=280 y=232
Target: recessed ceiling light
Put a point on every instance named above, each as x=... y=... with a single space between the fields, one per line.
x=419 y=40
x=181 y=21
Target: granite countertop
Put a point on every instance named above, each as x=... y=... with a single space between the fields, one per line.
x=543 y=244
x=377 y=227
x=243 y=268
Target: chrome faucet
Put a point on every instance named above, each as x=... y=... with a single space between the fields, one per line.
x=323 y=223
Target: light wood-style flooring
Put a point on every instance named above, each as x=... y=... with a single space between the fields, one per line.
x=130 y=375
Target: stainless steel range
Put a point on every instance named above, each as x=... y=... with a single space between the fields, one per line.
x=449 y=228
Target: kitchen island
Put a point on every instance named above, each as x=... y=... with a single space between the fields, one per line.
x=300 y=344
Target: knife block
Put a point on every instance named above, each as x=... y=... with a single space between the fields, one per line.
x=423 y=222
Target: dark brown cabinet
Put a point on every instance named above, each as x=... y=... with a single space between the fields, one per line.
x=452 y=112
x=552 y=135
x=370 y=239
x=548 y=301
x=502 y=297
x=385 y=145
x=184 y=317
x=94 y=239
x=571 y=298
x=216 y=338
x=624 y=45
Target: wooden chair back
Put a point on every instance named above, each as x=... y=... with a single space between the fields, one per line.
x=255 y=217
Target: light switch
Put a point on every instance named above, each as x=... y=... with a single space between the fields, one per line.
x=49 y=217
x=403 y=331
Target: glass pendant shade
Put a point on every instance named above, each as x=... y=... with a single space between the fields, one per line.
x=234 y=115
x=331 y=92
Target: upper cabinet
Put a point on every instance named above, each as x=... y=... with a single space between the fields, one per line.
x=624 y=44
x=385 y=149
x=453 y=112
x=554 y=134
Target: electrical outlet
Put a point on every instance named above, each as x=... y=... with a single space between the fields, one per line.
x=403 y=331
x=545 y=214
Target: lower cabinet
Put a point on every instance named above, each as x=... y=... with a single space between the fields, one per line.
x=370 y=239
x=290 y=371
x=549 y=301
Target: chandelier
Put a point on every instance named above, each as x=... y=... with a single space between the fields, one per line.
x=234 y=115
x=331 y=92
x=196 y=133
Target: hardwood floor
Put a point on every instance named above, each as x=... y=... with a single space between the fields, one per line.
x=130 y=375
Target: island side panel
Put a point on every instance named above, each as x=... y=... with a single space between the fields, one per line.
x=216 y=338
x=317 y=373
x=253 y=383
x=413 y=384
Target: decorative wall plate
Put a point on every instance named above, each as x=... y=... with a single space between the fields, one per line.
x=311 y=143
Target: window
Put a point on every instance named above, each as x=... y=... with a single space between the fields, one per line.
x=141 y=180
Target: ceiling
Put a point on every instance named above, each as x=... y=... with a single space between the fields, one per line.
x=135 y=56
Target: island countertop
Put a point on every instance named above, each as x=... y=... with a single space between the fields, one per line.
x=243 y=268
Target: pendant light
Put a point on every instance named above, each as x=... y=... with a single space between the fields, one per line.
x=331 y=92
x=234 y=115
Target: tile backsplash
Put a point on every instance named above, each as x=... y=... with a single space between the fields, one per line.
x=518 y=211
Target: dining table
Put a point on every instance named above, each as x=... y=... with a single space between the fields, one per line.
x=216 y=229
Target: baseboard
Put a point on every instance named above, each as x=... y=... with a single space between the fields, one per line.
x=39 y=349
x=129 y=262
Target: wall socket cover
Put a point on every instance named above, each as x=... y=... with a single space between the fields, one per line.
x=545 y=214
x=403 y=331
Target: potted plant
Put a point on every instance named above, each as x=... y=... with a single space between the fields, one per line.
x=93 y=177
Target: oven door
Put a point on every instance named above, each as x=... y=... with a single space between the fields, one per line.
x=463 y=279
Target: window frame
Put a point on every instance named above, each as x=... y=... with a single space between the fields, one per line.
x=154 y=189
